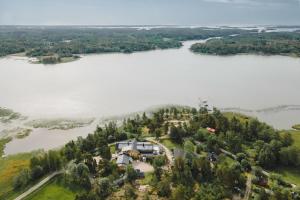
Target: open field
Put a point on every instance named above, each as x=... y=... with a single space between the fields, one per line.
x=239 y=116
x=54 y=190
x=9 y=167
x=296 y=126
x=291 y=175
x=169 y=144
x=295 y=136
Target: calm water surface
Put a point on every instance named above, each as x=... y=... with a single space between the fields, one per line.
x=113 y=84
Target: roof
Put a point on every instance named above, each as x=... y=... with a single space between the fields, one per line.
x=134 y=145
x=212 y=130
x=123 y=159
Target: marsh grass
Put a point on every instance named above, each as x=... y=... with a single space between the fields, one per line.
x=61 y=124
x=10 y=166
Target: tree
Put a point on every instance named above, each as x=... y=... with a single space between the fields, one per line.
x=104 y=187
x=129 y=192
x=182 y=172
x=157 y=173
x=131 y=173
x=230 y=175
x=188 y=146
x=87 y=196
x=211 y=192
x=163 y=188
x=212 y=144
x=246 y=165
x=290 y=156
x=266 y=156
x=21 y=180
x=233 y=142
x=179 y=193
x=54 y=160
x=240 y=156
x=157 y=133
x=287 y=139
x=176 y=134
x=159 y=161
x=36 y=172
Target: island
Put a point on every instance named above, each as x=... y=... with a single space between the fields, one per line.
x=52 y=45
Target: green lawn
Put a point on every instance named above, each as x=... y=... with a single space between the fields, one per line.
x=169 y=144
x=9 y=167
x=291 y=175
x=54 y=190
x=243 y=118
x=295 y=136
x=148 y=179
x=112 y=148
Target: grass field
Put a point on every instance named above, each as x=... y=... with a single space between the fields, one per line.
x=9 y=167
x=291 y=175
x=243 y=118
x=297 y=127
x=169 y=144
x=148 y=179
x=295 y=136
x=54 y=190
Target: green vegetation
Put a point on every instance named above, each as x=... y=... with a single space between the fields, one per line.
x=10 y=166
x=297 y=127
x=256 y=43
x=54 y=190
x=52 y=45
x=62 y=124
x=295 y=134
x=290 y=174
x=24 y=133
x=3 y=142
x=7 y=115
x=170 y=144
x=212 y=165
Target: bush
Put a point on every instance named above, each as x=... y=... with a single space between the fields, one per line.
x=36 y=172
x=163 y=188
x=104 y=187
x=21 y=180
x=129 y=192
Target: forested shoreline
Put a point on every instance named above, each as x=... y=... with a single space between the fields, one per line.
x=52 y=45
x=287 y=44
x=202 y=172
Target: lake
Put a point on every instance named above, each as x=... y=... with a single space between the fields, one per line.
x=114 y=84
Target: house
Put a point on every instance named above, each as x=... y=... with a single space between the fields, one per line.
x=144 y=148
x=123 y=160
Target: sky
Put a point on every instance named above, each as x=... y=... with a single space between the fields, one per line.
x=150 y=12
